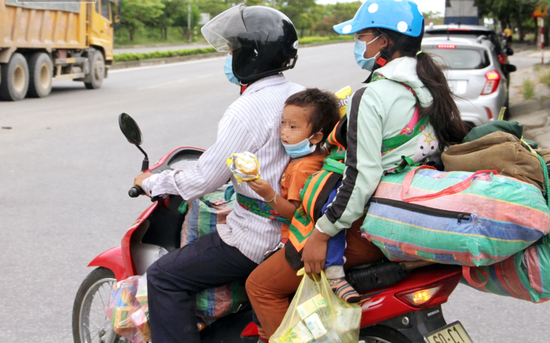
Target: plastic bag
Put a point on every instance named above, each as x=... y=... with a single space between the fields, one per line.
x=317 y=315
x=244 y=166
x=128 y=310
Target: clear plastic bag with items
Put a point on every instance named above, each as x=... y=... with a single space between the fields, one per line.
x=244 y=166
x=317 y=315
x=128 y=310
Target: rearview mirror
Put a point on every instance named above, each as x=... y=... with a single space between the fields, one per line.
x=130 y=129
x=508 y=51
x=509 y=68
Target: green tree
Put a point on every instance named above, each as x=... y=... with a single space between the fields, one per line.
x=433 y=17
x=180 y=19
x=335 y=14
x=165 y=20
x=512 y=13
x=301 y=13
x=135 y=13
x=213 y=7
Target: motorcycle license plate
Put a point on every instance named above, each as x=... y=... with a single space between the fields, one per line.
x=451 y=333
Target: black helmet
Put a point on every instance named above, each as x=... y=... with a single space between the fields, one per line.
x=263 y=41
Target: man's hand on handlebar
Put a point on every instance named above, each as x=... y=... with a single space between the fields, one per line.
x=139 y=179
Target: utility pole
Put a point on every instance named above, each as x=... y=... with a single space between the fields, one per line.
x=189 y=22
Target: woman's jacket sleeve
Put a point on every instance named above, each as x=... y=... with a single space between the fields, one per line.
x=363 y=162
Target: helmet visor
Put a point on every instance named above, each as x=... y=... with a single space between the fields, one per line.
x=222 y=31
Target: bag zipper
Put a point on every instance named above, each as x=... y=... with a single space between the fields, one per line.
x=460 y=216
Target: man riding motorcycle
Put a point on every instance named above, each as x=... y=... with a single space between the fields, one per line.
x=262 y=42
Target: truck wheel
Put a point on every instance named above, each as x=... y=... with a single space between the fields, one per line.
x=97 y=70
x=15 y=78
x=40 y=75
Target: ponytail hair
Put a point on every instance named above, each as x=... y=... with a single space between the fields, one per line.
x=443 y=112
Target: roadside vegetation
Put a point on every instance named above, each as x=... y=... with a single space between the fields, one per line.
x=125 y=57
x=528 y=89
x=146 y=22
x=544 y=76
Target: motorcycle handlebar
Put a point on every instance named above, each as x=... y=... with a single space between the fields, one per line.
x=135 y=191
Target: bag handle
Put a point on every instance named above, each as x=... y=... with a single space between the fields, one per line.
x=459 y=187
x=467 y=274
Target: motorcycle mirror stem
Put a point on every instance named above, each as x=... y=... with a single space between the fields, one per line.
x=145 y=162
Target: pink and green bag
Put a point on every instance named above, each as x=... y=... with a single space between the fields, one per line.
x=461 y=218
x=526 y=275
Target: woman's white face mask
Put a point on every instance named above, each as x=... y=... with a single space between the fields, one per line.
x=359 y=51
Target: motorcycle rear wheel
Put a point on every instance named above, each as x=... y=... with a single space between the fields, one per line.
x=381 y=334
x=90 y=324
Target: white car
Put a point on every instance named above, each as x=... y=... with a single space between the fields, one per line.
x=474 y=74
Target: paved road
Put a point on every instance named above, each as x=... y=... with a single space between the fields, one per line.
x=65 y=170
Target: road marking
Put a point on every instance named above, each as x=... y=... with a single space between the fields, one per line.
x=166 y=65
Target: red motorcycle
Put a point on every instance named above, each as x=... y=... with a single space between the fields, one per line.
x=401 y=302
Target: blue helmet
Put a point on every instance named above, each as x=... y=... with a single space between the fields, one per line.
x=401 y=16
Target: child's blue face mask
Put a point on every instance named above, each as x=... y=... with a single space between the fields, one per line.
x=228 y=69
x=300 y=149
x=359 y=52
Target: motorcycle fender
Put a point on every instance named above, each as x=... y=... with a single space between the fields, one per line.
x=112 y=260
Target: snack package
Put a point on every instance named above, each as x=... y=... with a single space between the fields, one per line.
x=311 y=306
x=315 y=326
x=244 y=166
x=129 y=315
x=121 y=318
x=343 y=96
x=140 y=319
x=122 y=294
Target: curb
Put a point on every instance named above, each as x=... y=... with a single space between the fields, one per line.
x=167 y=60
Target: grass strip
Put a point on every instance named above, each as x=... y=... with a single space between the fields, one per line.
x=130 y=56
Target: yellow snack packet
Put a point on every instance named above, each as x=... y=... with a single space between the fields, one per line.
x=121 y=317
x=311 y=306
x=244 y=165
x=343 y=95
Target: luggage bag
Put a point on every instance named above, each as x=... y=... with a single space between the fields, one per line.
x=461 y=218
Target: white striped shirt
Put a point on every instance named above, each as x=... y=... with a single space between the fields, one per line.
x=251 y=123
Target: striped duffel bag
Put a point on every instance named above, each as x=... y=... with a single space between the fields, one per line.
x=201 y=218
x=526 y=275
x=461 y=218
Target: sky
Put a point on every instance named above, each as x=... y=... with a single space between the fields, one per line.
x=423 y=5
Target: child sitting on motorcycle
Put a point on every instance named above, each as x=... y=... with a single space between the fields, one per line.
x=308 y=117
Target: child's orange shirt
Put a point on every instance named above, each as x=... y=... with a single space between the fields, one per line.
x=295 y=176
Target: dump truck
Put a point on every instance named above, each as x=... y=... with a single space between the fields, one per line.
x=42 y=40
